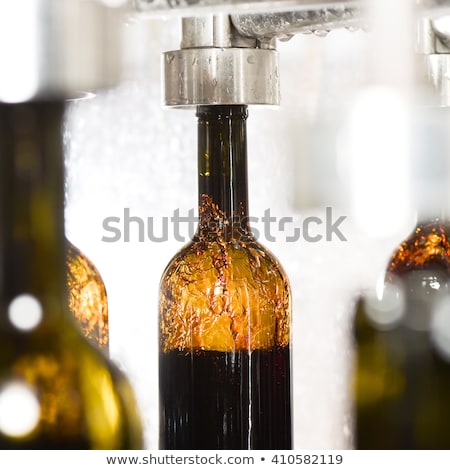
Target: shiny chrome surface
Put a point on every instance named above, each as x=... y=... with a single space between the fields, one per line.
x=432 y=46
x=437 y=70
x=221 y=76
x=441 y=28
x=198 y=7
x=206 y=76
x=285 y=25
x=212 y=31
x=217 y=65
x=194 y=7
x=58 y=47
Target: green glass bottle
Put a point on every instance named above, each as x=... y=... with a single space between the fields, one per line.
x=56 y=390
x=225 y=311
x=402 y=333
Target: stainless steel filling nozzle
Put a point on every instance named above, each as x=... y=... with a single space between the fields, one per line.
x=433 y=48
x=232 y=59
x=217 y=65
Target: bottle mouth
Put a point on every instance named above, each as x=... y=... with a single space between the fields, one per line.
x=221 y=111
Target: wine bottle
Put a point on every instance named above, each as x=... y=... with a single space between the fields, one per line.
x=225 y=309
x=403 y=366
x=56 y=390
x=87 y=297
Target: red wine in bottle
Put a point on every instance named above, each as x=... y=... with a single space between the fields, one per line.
x=225 y=308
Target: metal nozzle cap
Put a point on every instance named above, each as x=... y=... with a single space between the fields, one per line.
x=221 y=76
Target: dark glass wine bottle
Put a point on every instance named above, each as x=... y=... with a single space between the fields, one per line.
x=403 y=348
x=225 y=310
x=87 y=297
x=56 y=390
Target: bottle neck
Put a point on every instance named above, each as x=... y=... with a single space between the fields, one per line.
x=222 y=172
x=430 y=198
x=429 y=214
x=31 y=204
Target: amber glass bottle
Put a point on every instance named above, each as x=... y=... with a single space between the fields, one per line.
x=403 y=348
x=56 y=390
x=225 y=311
x=87 y=297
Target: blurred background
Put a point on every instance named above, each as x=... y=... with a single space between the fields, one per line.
x=341 y=138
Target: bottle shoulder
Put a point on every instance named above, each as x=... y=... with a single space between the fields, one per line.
x=81 y=266
x=87 y=297
x=224 y=295
x=426 y=248
x=244 y=259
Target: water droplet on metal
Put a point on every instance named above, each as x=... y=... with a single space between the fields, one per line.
x=321 y=32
